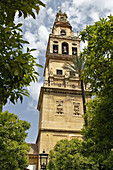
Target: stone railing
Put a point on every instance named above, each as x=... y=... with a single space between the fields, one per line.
x=60 y=85
x=63 y=37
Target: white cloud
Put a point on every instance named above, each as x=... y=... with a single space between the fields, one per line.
x=30 y=36
x=46 y=1
x=41 y=17
x=34 y=90
x=50 y=12
x=37 y=39
x=102 y=4
x=94 y=15
x=51 y=16
x=43 y=33
x=82 y=12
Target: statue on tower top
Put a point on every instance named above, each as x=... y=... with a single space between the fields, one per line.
x=60 y=9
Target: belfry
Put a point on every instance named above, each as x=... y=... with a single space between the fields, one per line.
x=60 y=102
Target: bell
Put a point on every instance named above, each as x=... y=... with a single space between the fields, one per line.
x=55 y=50
x=65 y=50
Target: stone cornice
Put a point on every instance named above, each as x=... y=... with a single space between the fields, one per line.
x=60 y=130
x=61 y=91
x=57 y=91
x=56 y=130
x=62 y=24
x=65 y=37
x=64 y=91
x=58 y=56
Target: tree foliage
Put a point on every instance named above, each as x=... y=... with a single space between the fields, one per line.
x=98 y=139
x=99 y=73
x=16 y=67
x=25 y=8
x=67 y=155
x=13 y=149
x=99 y=55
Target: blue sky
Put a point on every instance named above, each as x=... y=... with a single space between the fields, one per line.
x=80 y=13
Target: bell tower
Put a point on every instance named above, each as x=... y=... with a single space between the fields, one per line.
x=60 y=103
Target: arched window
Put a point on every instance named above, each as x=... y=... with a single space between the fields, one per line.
x=62 y=18
x=55 y=48
x=63 y=32
x=64 y=48
x=74 y=51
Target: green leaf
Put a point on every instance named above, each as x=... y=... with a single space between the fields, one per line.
x=20 y=14
x=21 y=98
x=39 y=65
x=33 y=50
x=16 y=72
x=19 y=25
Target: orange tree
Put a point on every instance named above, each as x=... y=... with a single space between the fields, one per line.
x=13 y=148
x=16 y=67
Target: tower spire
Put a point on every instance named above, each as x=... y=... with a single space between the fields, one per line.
x=60 y=9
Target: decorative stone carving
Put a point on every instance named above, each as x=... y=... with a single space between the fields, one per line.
x=51 y=72
x=76 y=108
x=66 y=75
x=59 y=108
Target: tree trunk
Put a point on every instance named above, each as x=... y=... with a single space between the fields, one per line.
x=99 y=166
x=83 y=98
x=0 y=107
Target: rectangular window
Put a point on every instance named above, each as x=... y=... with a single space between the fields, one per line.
x=59 y=72
x=55 y=48
x=74 y=51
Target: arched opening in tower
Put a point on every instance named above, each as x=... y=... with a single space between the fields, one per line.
x=63 y=32
x=65 y=48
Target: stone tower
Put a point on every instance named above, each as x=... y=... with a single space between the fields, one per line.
x=60 y=102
